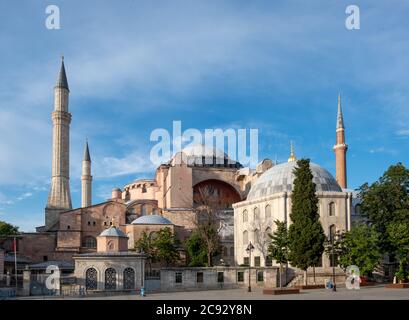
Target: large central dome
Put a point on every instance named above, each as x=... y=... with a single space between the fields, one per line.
x=280 y=178
x=202 y=155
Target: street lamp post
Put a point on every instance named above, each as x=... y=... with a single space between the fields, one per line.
x=249 y=249
x=334 y=287
x=142 y=273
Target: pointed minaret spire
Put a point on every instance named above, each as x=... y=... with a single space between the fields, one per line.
x=86 y=178
x=62 y=77
x=292 y=157
x=340 y=149
x=340 y=118
x=87 y=157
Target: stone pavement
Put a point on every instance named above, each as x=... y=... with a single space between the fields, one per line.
x=364 y=293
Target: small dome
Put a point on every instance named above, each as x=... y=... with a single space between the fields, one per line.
x=113 y=232
x=280 y=178
x=152 y=219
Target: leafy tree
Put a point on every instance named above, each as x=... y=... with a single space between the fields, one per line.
x=166 y=244
x=146 y=244
x=196 y=249
x=278 y=248
x=386 y=201
x=305 y=233
x=399 y=237
x=360 y=247
x=7 y=229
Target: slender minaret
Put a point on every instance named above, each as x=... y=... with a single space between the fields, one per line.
x=86 y=179
x=340 y=149
x=59 y=198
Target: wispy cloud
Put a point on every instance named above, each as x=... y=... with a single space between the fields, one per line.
x=403 y=133
x=383 y=150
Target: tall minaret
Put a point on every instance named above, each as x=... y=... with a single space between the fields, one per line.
x=340 y=149
x=86 y=179
x=59 y=198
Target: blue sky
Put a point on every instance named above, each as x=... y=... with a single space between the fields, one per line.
x=134 y=66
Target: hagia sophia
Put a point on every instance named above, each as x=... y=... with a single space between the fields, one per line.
x=251 y=198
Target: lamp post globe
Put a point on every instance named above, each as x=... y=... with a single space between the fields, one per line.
x=249 y=249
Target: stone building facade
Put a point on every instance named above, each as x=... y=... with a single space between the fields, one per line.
x=171 y=198
x=112 y=267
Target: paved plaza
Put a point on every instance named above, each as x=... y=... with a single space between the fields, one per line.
x=364 y=293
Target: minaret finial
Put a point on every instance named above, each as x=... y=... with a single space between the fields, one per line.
x=292 y=155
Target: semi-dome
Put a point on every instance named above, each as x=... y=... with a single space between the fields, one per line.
x=151 y=219
x=202 y=155
x=280 y=178
x=113 y=232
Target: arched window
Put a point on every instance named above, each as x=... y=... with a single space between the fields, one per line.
x=268 y=211
x=110 y=279
x=245 y=216
x=143 y=210
x=257 y=236
x=331 y=209
x=268 y=231
x=111 y=245
x=89 y=242
x=256 y=213
x=91 y=281
x=358 y=209
x=225 y=252
x=332 y=232
x=232 y=251
x=245 y=237
x=129 y=279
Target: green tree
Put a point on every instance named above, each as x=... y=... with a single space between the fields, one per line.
x=306 y=235
x=146 y=244
x=360 y=247
x=196 y=249
x=386 y=201
x=278 y=248
x=166 y=246
x=7 y=229
x=399 y=237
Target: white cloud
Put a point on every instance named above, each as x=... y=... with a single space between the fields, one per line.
x=383 y=150
x=404 y=133
x=130 y=164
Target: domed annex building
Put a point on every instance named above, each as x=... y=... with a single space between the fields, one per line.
x=269 y=199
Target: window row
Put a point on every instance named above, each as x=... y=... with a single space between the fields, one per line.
x=267 y=212
x=110 y=279
x=256 y=213
x=220 y=277
x=258 y=237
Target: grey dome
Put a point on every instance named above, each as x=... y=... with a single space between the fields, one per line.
x=280 y=178
x=112 y=232
x=152 y=219
x=202 y=155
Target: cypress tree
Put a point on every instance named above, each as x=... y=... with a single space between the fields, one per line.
x=306 y=236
